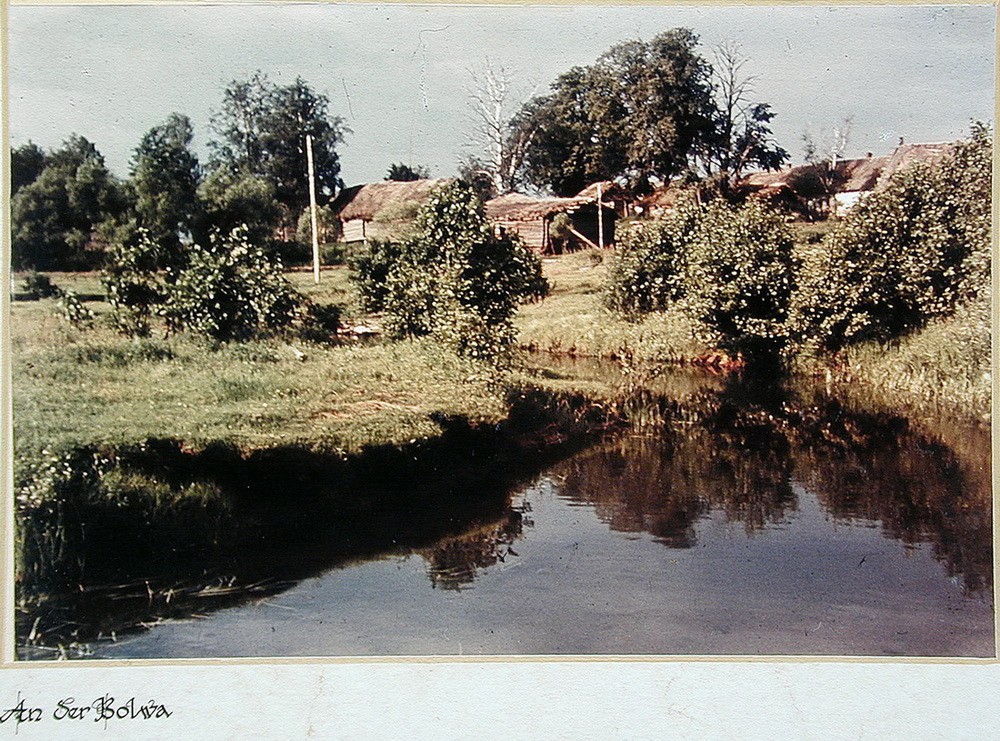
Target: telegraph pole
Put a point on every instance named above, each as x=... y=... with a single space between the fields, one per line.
x=600 y=218
x=312 y=207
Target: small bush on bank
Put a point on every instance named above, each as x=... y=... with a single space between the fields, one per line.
x=456 y=280
x=37 y=286
x=229 y=289
x=648 y=272
x=730 y=269
x=740 y=277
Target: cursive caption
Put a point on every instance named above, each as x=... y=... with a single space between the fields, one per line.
x=105 y=709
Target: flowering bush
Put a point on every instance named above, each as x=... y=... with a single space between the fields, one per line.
x=731 y=270
x=456 y=280
x=228 y=289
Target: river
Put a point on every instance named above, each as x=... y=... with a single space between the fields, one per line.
x=737 y=522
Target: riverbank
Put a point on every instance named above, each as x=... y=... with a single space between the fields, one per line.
x=944 y=367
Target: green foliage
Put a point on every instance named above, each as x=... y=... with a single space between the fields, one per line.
x=26 y=164
x=648 y=271
x=73 y=311
x=262 y=130
x=165 y=177
x=133 y=282
x=637 y=113
x=906 y=254
x=456 y=281
x=740 y=277
x=731 y=270
x=229 y=290
x=402 y=172
x=56 y=217
x=38 y=285
x=238 y=199
x=327 y=227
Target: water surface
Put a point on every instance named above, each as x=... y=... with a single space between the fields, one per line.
x=741 y=521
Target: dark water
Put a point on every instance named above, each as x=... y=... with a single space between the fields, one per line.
x=741 y=521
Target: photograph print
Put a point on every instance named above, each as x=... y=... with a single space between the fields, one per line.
x=356 y=330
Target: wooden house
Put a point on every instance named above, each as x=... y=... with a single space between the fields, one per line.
x=553 y=225
x=383 y=210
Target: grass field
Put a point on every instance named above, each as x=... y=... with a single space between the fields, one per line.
x=74 y=386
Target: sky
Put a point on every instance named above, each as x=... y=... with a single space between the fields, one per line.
x=399 y=75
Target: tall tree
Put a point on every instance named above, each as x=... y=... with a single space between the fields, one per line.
x=742 y=134
x=165 y=177
x=56 y=218
x=635 y=115
x=262 y=129
x=26 y=164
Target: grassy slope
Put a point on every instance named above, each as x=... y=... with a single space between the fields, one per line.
x=72 y=386
x=573 y=319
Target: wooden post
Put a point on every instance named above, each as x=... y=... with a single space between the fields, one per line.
x=600 y=218
x=312 y=207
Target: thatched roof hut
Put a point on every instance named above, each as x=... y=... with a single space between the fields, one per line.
x=534 y=221
x=381 y=210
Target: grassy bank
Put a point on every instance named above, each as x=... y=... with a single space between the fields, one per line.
x=945 y=366
x=74 y=387
x=574 y=321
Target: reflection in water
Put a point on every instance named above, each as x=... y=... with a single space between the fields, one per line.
x=766 y=459
x=455 y=562
x=739 y=450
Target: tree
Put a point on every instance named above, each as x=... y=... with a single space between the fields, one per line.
x=229 y=200
x=165 y=177
x=404 y=173
x=56 y=219
x=907 y=253
x=262 y=131
x=742 y=134
x=26 y=164
x=498 y=139
x=455 y=280
x=636 y=115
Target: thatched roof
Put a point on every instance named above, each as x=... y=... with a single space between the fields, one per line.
x=519 y=207
x=860 y=174
x=364 y=201
x=906 y=154
x=609 y=189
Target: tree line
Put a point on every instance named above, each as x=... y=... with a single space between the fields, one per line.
x=67 y=208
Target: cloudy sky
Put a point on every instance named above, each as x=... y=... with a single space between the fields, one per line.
x=398 y=74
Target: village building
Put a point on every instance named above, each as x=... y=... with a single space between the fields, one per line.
x=810 y=189
x=553 y=225
x=385 y=210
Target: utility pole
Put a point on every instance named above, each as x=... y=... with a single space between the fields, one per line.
x=312 y=207
x=600 y=218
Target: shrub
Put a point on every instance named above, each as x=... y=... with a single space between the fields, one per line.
x=905 y=255
x=455 y=280
x=740 y=277
x=134 y=286
x=730 y=269
x=73 y=311
x=229 y=290
x=648 y=272
x=38 y=285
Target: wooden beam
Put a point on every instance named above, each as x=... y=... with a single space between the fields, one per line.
x=583 y=237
